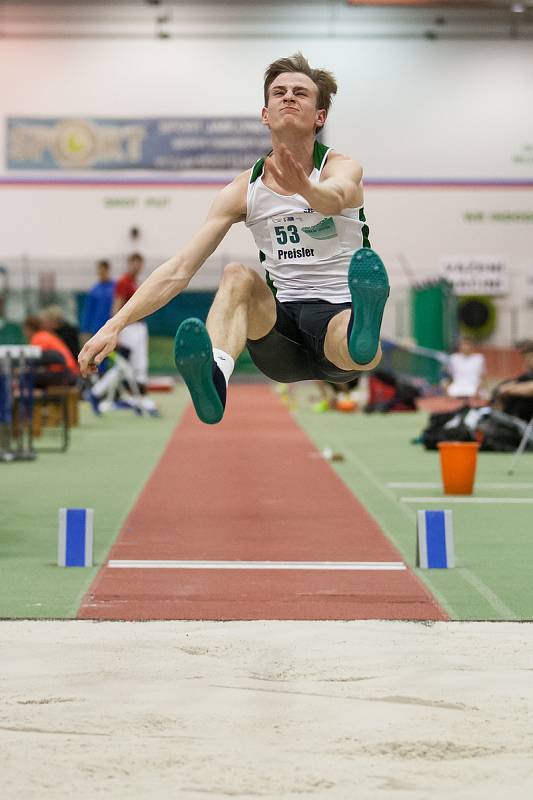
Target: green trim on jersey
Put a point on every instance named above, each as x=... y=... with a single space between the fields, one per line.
x=269 y=282
x=365 y=230
x=319 y=154
x=262 y=257
x=257 y=169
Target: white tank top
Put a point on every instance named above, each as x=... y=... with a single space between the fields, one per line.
x=306 y=254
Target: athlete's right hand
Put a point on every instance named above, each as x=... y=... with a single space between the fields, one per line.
x=95 y=350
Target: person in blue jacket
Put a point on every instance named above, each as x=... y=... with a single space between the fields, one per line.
x=99 y=301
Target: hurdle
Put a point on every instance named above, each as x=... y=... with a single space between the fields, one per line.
x=75 y=537
x=434 y=543
x=16 y=402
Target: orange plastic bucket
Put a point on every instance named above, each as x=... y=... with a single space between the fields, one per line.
x=458 y=462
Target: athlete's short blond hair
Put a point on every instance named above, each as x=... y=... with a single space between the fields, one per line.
x=323 y=80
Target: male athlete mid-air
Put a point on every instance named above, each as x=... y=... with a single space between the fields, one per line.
x=318 y=315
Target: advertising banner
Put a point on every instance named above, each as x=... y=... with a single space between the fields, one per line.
x=481 y=275
x=173 y=143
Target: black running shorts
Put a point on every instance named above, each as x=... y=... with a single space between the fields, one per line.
x=294 y=348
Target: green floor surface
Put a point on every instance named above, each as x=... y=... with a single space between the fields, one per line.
x=106 y=466
x=493 y=543
x=111 y=458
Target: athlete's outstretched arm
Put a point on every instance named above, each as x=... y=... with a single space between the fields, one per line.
x=172 y=277
x=340 y=184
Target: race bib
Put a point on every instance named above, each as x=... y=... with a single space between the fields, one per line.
x=299 y=238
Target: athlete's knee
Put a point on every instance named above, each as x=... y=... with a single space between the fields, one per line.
x=237 y=277
x=374 y=363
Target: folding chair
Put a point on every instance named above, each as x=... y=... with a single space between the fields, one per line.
x=522 y=446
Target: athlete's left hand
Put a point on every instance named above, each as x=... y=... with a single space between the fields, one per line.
x=288 y=173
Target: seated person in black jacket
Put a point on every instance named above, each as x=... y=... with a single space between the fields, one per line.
x=55 y=322
x=515 y=396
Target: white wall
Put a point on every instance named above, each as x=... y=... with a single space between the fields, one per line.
x=408 y=110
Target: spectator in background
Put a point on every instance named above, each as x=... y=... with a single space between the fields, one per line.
x=134 y=338
x=466 y=370
x=132 y=345
x=99 y=301
x=53 y=320
x=57 y=365
x=515 y=396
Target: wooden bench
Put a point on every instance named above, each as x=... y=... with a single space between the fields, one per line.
x=53 y=407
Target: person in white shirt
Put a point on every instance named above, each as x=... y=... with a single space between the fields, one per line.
x=466 y=370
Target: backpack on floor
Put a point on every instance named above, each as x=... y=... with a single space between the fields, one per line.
x=502 y=433
x=449 y=427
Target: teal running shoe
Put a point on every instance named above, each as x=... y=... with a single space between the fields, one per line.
x=193 y=354
x=369 y=288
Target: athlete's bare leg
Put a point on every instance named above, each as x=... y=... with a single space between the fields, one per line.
x=336 y=345
x=243 y=308
x=352 y=338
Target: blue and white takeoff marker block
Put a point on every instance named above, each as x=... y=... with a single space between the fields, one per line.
x=76 y=536
x=435 y=549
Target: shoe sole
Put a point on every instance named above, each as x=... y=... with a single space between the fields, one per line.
x=369 y=288
x=193 y=355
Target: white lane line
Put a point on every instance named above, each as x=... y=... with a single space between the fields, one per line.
x=274 y=565
x=491 y=597
x=443 y=499
x=474 y=580
x=389 y=529
x=400 y=485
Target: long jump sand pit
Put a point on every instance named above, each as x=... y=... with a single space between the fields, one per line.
x=278 y=710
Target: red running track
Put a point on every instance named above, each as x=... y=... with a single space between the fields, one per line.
x=252 y=488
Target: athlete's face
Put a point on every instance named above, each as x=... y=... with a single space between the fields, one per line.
x=292 y=104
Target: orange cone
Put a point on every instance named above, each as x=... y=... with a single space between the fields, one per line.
x=458 y=461
x=346 y=405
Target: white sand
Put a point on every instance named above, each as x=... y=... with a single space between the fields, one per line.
x=340 y=710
